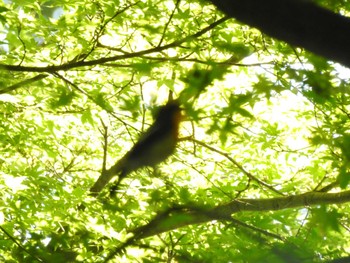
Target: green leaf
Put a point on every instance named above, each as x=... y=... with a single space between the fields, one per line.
x=86 y=117
x=343 y=177
x=103 y=103
x=3 y=9
x=326 y=218
x=239 y=50
x=65 y=98
x=3 y=20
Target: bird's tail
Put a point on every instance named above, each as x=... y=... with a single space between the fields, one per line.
x=106 y=176
x=114 y=188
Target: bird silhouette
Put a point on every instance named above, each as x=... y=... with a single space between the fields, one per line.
x=153 y=147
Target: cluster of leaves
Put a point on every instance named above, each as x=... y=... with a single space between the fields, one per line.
x=79 y=77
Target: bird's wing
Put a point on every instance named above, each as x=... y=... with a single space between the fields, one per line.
x=130 y=161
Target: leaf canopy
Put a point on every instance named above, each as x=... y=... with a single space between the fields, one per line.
x=261 y=169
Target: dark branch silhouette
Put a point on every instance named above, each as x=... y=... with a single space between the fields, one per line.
x=298 y=22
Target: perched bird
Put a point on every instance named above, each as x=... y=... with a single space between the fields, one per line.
x=153 y=147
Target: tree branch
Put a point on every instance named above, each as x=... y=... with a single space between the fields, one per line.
x=83 y=63
x=180 y=216
x=189 y=216
x=22 y=83
x=298 y=22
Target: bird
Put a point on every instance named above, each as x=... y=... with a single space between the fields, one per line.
x=153 y=147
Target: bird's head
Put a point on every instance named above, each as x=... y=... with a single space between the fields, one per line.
x=170 y=114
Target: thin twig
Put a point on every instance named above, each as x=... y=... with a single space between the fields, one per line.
x=104 y=133
x=252 y=177
x=169 y=20
x=20 y=245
